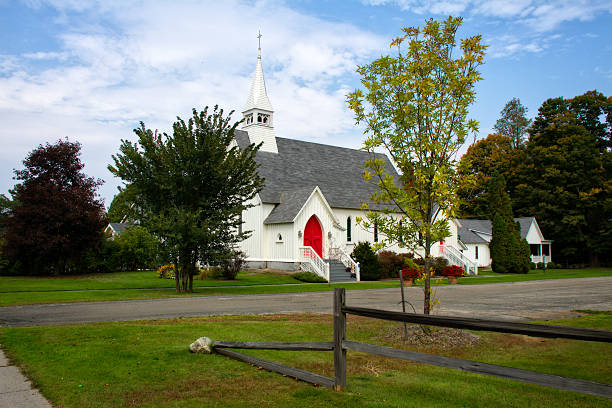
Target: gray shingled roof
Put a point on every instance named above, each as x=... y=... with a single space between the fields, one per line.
x=119 y=227
x=301 y=166
x=468 y=227
x=290 y=205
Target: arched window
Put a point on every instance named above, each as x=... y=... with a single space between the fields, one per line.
x=279 y=238
x=348 y=229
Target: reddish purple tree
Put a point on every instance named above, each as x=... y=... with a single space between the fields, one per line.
x=56 y=217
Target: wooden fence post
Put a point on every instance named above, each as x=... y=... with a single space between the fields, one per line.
x=339 y=337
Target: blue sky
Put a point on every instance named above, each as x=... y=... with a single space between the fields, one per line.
x=92 y=70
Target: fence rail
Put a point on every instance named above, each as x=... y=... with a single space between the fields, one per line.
x=340 y=345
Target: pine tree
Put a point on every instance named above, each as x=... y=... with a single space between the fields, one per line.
x=509 y=252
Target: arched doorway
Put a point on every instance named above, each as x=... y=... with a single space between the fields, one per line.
x=313 y=235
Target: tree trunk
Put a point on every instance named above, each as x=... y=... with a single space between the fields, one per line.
x=427 y=283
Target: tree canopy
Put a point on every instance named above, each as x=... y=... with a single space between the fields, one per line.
x=55 y=217
x=190 y=188
x=513 y=122
x=566 y=177
x=415 y=106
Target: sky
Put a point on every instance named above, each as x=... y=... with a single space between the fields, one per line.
x=91 y=71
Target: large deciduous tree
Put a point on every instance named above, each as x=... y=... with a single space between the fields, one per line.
x=567 y=177
x=513 y=122
x=190 y=188
x=415 y=107
x=482 y=160
x=55 y=217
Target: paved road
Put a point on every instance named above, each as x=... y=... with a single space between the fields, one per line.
x=509 y=301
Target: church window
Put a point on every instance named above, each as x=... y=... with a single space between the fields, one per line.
x=476 y=252
x=401 y=233
x=263 y=118
x=375 y=231
x=279 y=238
x=249 y=118
x=259 y=118
x=348 y=229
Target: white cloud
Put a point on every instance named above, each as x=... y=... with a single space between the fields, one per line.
x=122 y=62
x=538 y=15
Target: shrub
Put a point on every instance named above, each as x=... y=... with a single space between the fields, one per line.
x=410 y=263
x=232 y=264
x=166 y=271
x=390 y=263
x=308 y=277
x=369 y=265
x=453 y=270
x=540 y=265
x=411 y=273
x=553 y=265
x=532 y=266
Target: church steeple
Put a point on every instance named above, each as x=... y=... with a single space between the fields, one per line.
x=258 y=111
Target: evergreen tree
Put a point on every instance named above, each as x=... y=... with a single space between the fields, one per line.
x=566 y=177
x=507 y=248
x=513 y=123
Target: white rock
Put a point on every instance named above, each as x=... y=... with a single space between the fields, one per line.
x=201 y=345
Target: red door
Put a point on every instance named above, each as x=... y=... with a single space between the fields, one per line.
x=313 y=235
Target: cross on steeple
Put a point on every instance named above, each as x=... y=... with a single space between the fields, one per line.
x=259 y=39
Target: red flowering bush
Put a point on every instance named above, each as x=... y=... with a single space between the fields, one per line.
x=453 y=270
x=411 y=273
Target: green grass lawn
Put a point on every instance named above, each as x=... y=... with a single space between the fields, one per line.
x=146 y=285
x=147 y=364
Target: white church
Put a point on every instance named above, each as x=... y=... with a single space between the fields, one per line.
x=305 y=216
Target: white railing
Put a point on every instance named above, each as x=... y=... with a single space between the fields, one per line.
x=340 y=255
x=455 y=257
x=310 y=261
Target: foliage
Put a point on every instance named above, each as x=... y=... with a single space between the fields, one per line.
x=409 y=262
x=488 y=156
x=391 y=263
x=134 y=249
x=509 y=252
x=453 y=270
x=232 y=263
x=513 y=123
x=369 y=265
x=566 y=178
x=415 y=107
x=167 y=271
x=437 y=264
x=191 y=188
x=55 y=218
x=308 y=277
x=411 y=273
x=120 y=208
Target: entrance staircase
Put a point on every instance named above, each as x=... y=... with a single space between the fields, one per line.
x=338 y=273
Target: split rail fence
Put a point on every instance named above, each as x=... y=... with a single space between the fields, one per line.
x=340 y=345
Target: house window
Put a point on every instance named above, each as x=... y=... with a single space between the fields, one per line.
x=348 y=229
x=375 y=231
x=476 y=252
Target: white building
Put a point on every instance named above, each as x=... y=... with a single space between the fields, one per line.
x=475 y=235
x=307 y=210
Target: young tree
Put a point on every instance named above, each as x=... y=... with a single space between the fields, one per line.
x=509 y=252
x=415 y=107
x=190 y=187
x=55 y=217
